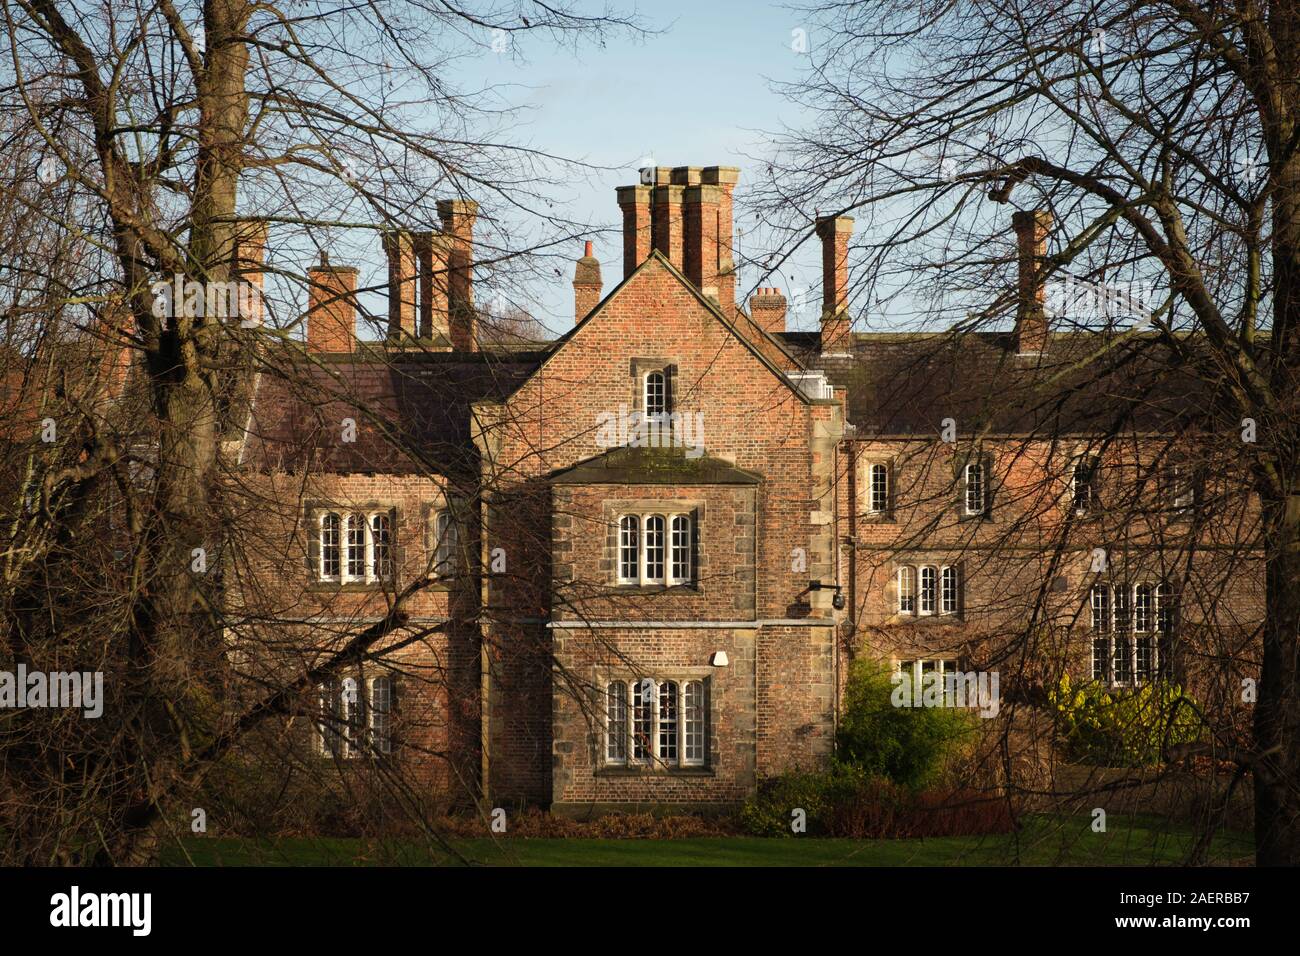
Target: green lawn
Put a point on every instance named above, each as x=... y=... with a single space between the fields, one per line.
x=1044 y=841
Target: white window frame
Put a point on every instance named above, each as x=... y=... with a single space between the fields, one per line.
x=381 y=737
x=340 y=542
x=878 y=493
x=350 y=717
x=915 y=669
x=941 y=582
x=629 y=540
x=924 y=608
x=907 y=589
x=1124 y=632
x=979 y=486
x=661 y=402
x=673 y=542
x=689 y=743
x=949 y=589
x=446 y=543
x=1083 y=498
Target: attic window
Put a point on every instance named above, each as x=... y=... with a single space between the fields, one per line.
x=655 y=394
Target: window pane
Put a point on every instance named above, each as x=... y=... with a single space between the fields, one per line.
x=668 y=721
x=878 y=499
x=643 y=703
x=1123 y=658
x=694 y=717
x=356 y=546
x=616 y=722
x=1100 y=657
x=444 y=558
x=381 y=536
x=350 y=706
x=906 y=590
x=1164 y=609
x=628 y=551
x=681 y=554
x=328 y=715
x=329 y=546
x=656 y=397
x=927 y=590
x=1100 y=608
x=1144 y=658
x=948 y=592
x=1122 y=620
x=654 y=548
x=1142 y=608
x=1081 y=483
x=381 y=709
x=974 y=489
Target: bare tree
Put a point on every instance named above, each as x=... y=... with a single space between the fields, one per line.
x=165 y=142
x=1148 y=146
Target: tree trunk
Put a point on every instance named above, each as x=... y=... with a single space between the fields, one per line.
x=1277 y=714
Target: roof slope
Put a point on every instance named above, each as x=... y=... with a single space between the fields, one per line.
x=412 y=412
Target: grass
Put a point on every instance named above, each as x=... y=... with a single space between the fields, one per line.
x=1043 y=841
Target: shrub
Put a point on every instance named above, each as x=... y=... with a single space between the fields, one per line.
x=1123 y=728
x=845 y=802
x=906 y=745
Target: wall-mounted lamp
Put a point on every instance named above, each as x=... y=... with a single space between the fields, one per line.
x=718 y=659
x=837 y=601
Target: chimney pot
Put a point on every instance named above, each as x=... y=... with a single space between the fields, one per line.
x=586 y=285
x=767 y=308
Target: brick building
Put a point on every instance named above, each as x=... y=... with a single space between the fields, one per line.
x=656 y=542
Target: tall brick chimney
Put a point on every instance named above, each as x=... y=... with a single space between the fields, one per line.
x=331 y=308
x=635 y=203
x=1032 y=227
x=666 y=218
x=248 y=264
x=699 y=230
x=767 y=308
x=725 y=178
x=458 y=217
x=835 y=322
x=586 y=285
x=403 y=283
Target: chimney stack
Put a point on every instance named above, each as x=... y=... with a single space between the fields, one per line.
x=1031 y=252
x=767 y=309
x=666 y=217
x=699 y=230
x=248 y=263
x=586 y=285
x=686 y=213
x=331 y=307
x=458 y=217
x=403 y=278
x=635 y=203
x=725 y=178
x=835 y=321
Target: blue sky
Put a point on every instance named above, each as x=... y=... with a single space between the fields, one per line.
x=698 y=93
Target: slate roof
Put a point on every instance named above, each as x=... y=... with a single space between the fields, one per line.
x=401 y=404
x=906 y=384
